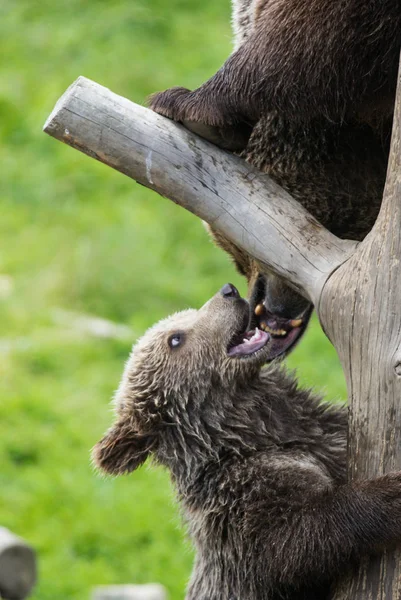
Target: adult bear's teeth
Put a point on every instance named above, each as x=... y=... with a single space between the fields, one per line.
x=296 y=322
x=259 y=310
x=280 y=332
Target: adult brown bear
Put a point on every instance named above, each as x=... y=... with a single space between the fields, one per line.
x=307 y=96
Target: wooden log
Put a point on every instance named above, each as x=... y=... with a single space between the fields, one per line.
x=151 y=591
x=17 y=567
x=222 y=189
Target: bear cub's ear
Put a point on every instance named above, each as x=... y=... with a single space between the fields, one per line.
x=121 y=450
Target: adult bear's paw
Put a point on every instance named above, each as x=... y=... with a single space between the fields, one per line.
x=204 y=114
x=172 y=103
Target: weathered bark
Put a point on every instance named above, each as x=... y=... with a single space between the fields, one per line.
x=356 y=288
x=360 y=309
x=17 y=567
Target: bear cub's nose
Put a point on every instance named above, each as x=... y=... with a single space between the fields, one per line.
x=229 y=291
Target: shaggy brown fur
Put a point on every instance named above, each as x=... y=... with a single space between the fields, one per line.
x=259 y=464
x=307 y=97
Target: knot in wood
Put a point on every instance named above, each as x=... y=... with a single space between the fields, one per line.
x=397 y=368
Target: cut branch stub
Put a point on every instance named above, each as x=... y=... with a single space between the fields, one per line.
x=17 y=566
x=222 y=189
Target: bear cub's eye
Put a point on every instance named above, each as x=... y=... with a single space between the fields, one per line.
x=175 y=340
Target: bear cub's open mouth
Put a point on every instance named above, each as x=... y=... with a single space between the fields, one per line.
x=247 y=343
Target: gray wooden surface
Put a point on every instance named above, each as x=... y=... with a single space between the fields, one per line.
x=361 y=311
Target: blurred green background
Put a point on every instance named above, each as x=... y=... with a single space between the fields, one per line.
x=78 y=242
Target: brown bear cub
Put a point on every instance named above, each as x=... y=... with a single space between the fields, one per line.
x=259 y=464
x=307 y=97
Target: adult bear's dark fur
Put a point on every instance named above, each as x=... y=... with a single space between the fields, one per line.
x=259 y=464
x=313 y=84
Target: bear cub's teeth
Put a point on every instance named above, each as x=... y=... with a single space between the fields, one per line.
x=254 y=336
x=254 y=341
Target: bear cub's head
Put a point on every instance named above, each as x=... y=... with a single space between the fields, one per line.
x=181 y=367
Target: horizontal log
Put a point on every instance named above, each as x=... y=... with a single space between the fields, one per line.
x=17 y=567
x=222 y=189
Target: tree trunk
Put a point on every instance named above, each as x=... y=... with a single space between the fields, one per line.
x=366 y=333
x=356 y=288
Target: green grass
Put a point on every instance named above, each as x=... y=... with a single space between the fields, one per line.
x=76 y=236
